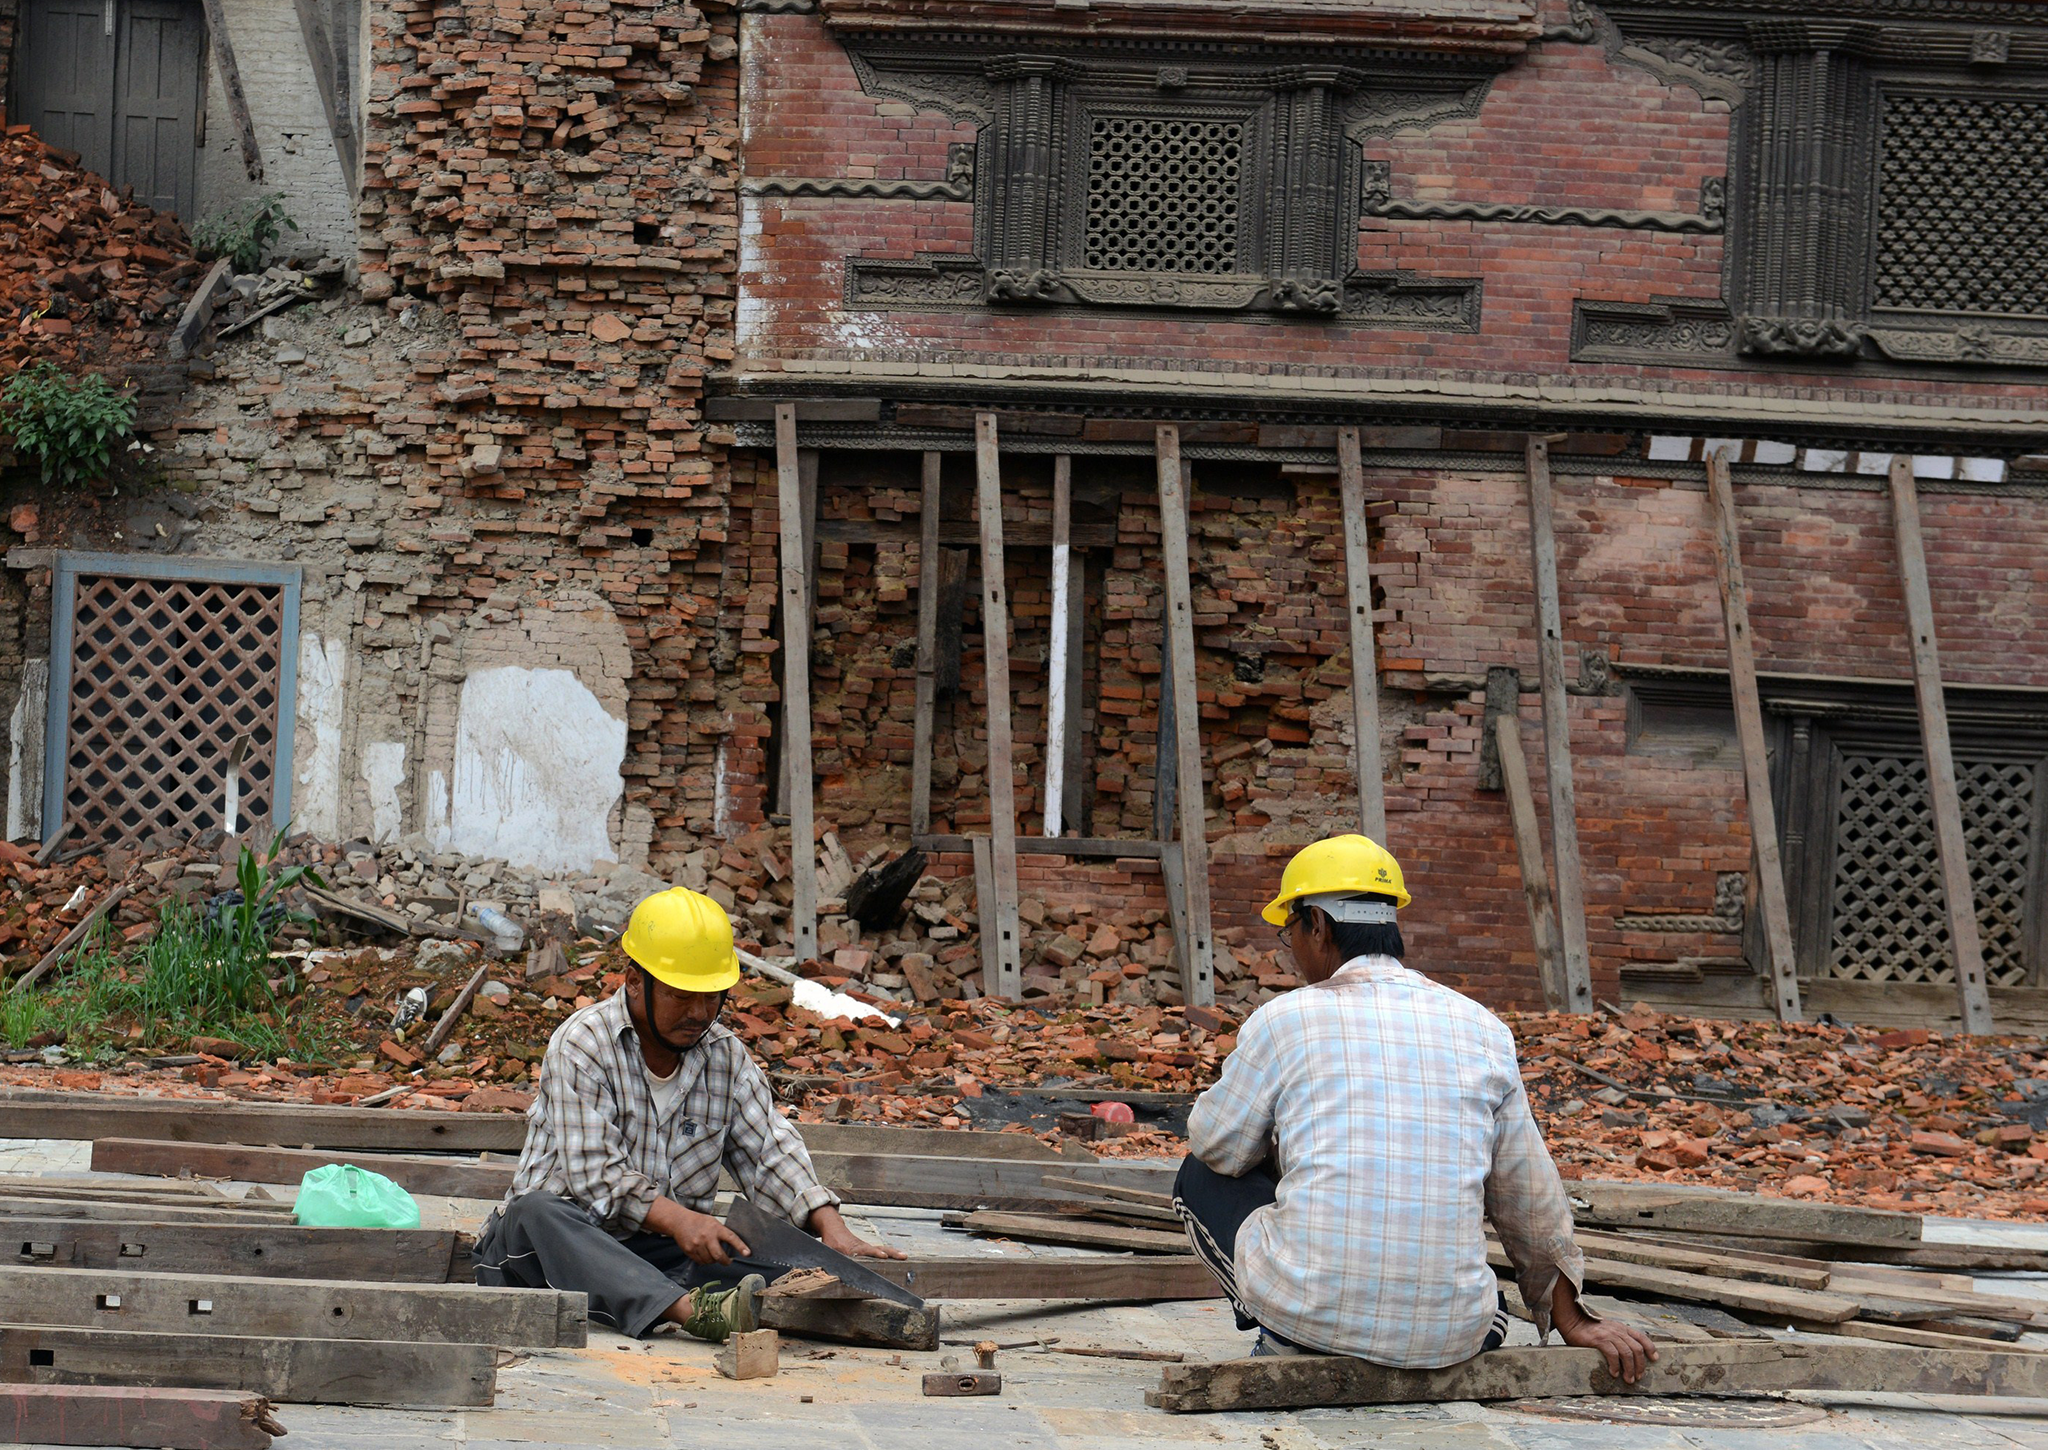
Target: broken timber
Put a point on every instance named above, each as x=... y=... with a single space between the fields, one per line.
x=796 y=683
x=1726 y=534
x=1730 y=1367
x=140 y=1242
x=295 y=1371
x=1198 y=986
x=1365 y=678
x=852 y=1321
x=1514 y=771
x=293 y=1308
x=1958 y=896
x=1557 y=735
x=1002 y=783
x=126 y=1415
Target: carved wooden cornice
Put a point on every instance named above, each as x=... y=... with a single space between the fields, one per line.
x=1497 y=27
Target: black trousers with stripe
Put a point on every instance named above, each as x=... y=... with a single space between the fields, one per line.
x=1214 y=1209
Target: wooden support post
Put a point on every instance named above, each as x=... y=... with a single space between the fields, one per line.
x=796 y=682
x=1749 y=729
x=1958 y=894
x=927 y=650
x=1074 y=744
x=1198 y=986
x=1557 y=736
x=1514 y=770
x=231 y=86
x=1057 y=703
x=985 y=913
x=1002 y=786
x=1365 y=677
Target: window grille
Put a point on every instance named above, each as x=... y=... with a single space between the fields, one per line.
x=1163 y=194
x=1962 y=205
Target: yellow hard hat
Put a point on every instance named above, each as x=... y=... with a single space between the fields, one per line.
x=684 y=939
x=1341 y=863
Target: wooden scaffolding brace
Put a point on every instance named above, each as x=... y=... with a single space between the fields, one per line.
x=793 y=517
x=1365 y=678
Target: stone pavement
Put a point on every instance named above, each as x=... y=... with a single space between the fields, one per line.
x=664 y=1392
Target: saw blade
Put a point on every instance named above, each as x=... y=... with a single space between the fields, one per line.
x=781 y=1242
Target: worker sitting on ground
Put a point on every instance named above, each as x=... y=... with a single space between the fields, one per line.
x=1344 y=1167
x=642 y=1097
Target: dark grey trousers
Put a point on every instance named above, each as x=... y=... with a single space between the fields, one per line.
x=541 y=1241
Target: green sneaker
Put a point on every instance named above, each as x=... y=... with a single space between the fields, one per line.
x=717 y=1314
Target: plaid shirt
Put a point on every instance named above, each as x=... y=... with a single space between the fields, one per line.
x=592 y=1135
x=1393 y=1110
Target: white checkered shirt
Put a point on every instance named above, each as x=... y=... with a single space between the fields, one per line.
x=1393 y=1109
x=593 y=1136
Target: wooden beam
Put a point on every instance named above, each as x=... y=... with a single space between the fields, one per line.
x=1726 y=534
x=1557 y=735
x=199 y=307
x=927 y=650
x=1776 y=1301
x=1037 y=1228
x=1056 y=681
x=852 y=1321
x=328 y=52
x=443 y=1177
x=231 y=84
x=856 y=1138
x=1514 y=774
x=1155 y=1278
x=295 y=1371
x=796 y=683
x=1002 y=783
x=1365 y=677
x=1198 y=984
x=1713 y=1210
x=81 y=1117
x=1079 y=847
x=1958 y=894
x=1619 y=1248
x=292 y=1308
x=142 y=1242
x=1074 y=811
x=1739 y=1367
x=128 y=1415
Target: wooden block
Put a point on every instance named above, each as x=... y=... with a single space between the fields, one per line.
x=128 y=1415
x=750 y=1355
x=854 y=1321
x=1729 y=1367
x=291 y=1371
x=293 y=1308
x=956 y=1382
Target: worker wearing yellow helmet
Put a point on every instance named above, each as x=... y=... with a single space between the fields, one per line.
x=1365 y=1133
x=642 y=1099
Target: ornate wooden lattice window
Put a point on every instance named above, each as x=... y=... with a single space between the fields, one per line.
x=158 y=668
x=1169 y=174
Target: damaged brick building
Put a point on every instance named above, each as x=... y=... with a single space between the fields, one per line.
x=626 y=279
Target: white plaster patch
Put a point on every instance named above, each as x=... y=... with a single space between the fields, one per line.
x=316 y=766
x=25 y=730
x=537 y=769
x=383 y=768
x=437 y=809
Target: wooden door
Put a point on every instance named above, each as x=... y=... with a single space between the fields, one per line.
x=64 y=67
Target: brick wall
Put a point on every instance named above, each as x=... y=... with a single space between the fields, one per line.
x=1564 y=125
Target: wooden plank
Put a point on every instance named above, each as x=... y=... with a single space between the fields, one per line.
x=852 y=1321
x=1056 y=707
x=1074 y=813
x=199 y=308
x=1925 y=1338
x=857 y=1138
x=1749 y=728
x=1695 y=1261
x=455 y=1010
x=295 y=1371
x=1711 y=1210
x=796 y=683
x=292 y=1308
x=1002 y=784
x=1959 y=897
x=131 y=1415
x=1773 y=1299
x=1198 y=984
x=24 y=1198
x=1144 y=1197
x=276 y=1251
x=97 y=1209
x=450 y=1177
x=985 y=929
x=1961 y=1258
x=1514 y=774
x=1365 y=677
x=1045 y=1229
x=85 y=1116
x=1079 y=847
x=927 y=650
x=1153 y=1278
x=1557 y=735
x=1738 y=1367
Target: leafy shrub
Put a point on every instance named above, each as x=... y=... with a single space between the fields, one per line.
x=243 y=234
x=67 y=425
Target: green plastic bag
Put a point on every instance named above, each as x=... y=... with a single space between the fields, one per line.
x=342 y=1195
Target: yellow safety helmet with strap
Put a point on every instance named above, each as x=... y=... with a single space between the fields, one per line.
x=1341 y=863
x=684 y=939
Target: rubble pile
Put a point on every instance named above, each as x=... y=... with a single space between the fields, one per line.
x=1894 y=1119
x=89 y=278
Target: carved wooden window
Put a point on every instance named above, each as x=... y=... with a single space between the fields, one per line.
x=1163 y=194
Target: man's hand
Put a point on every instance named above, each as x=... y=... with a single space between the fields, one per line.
x=836 y=1236
x=1628 y=1351
x=703 y=1238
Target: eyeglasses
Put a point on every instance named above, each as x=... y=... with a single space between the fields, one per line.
x=1287 y=931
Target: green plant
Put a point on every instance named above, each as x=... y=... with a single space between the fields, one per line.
x=243 y=234
x=67 y=425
